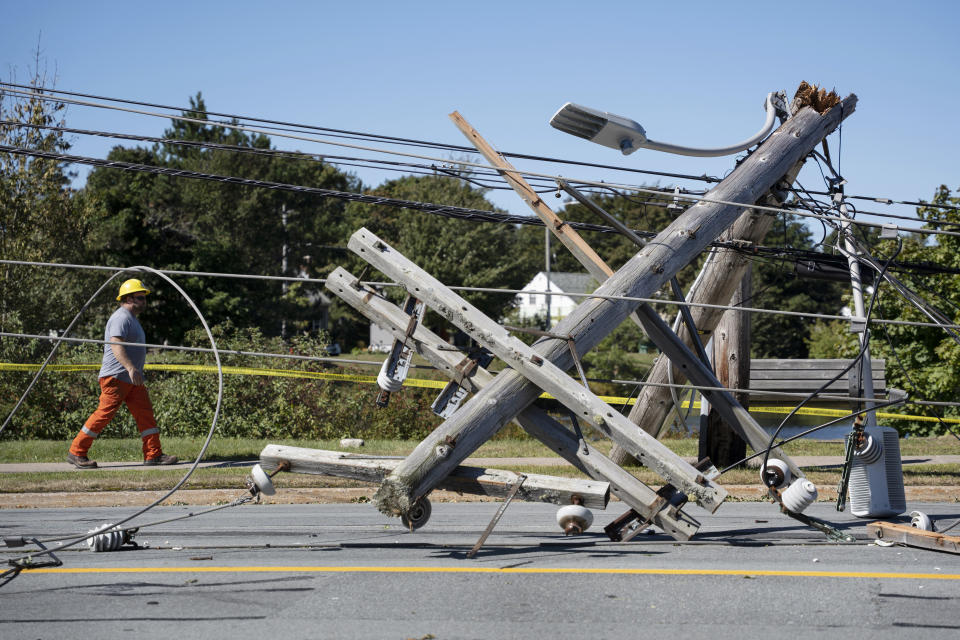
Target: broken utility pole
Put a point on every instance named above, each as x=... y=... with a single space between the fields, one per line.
x=674 y=350
x=645 y=317
x=592 y=320
x=561 y=440
x=721 y=275
x=731 y=359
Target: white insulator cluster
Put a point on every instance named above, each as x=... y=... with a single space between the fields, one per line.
x=871 y=452
x=920 y=520
x=385 y=381
x=775 y=473
x=800 y=495
x=107 y=539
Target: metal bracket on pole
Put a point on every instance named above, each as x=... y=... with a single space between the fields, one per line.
x=631 y=491
x=623 y=529
x=397 y=365
x=454 y=393
x=688 y=320
x=496 y=517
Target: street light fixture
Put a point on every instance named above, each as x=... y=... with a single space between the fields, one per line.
x=627 y=136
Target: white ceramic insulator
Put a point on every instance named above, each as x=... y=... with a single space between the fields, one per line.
x=871 y=452
x=776 y=463
x=576 y=513
x=106 y=540
x=262 y=480
x=920 y=520
x=800 y=495
x=385 y=381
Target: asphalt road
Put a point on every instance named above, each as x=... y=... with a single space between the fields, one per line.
x=345 y=571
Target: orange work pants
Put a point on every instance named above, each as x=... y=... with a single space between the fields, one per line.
x=113 y=393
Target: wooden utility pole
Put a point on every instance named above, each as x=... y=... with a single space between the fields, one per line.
x=562 y=441
x=592 y=320
x=731 y=360
x=572 y=240
x=721 y=277
x=476 y=480
x=719 y=281
x=566 y=234
x=545 y=367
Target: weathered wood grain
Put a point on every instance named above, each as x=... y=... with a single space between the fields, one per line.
x=625 y=486
x=595 y=318
x=913 y=537
x=531 y=365
x=472 y=480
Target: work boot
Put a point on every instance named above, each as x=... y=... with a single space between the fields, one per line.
x=161 y=459
x=81 y=462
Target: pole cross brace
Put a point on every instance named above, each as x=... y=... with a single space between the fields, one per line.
x=546 y=375
x=594 y=463
x=496 y=517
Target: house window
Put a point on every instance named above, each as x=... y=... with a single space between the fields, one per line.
x=532 y=299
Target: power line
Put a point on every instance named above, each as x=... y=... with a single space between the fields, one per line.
x=37 y=92
x=244 y=128
x=169 y=347
x=485 y=166
x=888 y=201
x=394 y=165
x=798 y=314
x=463 y=213
x=370 y=136
x=440 y=209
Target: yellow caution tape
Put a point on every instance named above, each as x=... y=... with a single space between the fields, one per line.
x=433 y=384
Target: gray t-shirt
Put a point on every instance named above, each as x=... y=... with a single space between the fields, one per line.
x=124 y=325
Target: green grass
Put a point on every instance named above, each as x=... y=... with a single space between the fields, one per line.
x=223 y=449
x=151 y=480
x=234 y=478
x=248 y=449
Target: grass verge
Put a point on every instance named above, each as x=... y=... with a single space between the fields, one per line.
x=224 y=449
x=206 y=478
x=244 y=449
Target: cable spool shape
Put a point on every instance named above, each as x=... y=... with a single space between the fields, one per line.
x=574 y=519
x=871 y=452
x=799 y=495
x=775 y=474
x=920 y=520
x=385 y=381
x=108 y=539
x=418 y=515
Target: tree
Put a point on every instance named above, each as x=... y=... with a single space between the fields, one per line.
x=776 y=285
x=456 y=252
x=923 y=360
x=40 y=220
x=216 y=226
x=643 y=213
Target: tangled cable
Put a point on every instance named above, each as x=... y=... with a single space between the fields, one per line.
x=28 y=561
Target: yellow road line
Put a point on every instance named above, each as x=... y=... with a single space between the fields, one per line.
x=432 y=384
x=512 y=570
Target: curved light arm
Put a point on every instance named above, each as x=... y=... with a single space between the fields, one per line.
x=720 y=151
x=627 y=135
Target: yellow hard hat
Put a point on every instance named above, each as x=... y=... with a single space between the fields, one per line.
x=131 y=286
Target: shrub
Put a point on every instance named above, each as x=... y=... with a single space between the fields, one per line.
x=256 y=406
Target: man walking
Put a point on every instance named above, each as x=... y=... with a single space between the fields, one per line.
x=121 y=381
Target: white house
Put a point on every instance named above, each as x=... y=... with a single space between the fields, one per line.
x=530 y=304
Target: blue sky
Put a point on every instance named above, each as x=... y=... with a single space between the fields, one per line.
x=693 y=73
